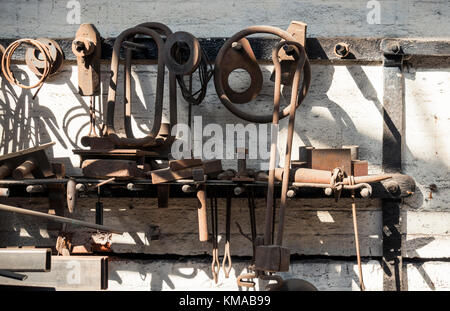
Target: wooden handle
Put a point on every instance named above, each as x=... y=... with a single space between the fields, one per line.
x=202 y=222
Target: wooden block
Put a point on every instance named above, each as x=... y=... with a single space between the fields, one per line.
x=103 y=168
x=360 y=168
x=166 y=174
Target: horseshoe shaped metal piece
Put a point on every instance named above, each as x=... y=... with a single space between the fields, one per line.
x=219 y=73
x=151 y=138
x=162 y=140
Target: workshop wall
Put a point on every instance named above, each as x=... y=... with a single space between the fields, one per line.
x=343 y=107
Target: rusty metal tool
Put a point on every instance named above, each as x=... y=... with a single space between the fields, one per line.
x=254 y=239
x=109 y=130
x=287 y=62
x=355 y=227
x=227 y=254
x=215 y=264
x=184 y=56
x=275 y=257
x=13 y=209
x=163 y=31
x=182 y=53
x=35 y=61
x=222 y=62
x=88 y=49
x=40 y=49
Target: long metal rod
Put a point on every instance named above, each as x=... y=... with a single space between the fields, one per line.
x=273 y=151
x=301 y=62
x=13 y=275
x=13 y=209
x=355 y=228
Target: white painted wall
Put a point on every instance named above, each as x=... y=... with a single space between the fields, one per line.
x=205 y=18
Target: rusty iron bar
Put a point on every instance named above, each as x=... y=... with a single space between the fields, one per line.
x=302 y=66
x=355 y=228
x=215 y=264
x=13 y=209
x=227 y=254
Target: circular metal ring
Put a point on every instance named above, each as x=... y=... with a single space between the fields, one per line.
x=218 y=72
x=174 y=42
x=241 y=57
x=37 y=65
x=6 y=62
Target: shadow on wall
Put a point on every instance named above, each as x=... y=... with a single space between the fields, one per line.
x=26 y=123
x=158 y=276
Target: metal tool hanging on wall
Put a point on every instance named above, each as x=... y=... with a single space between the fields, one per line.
x=184 y=56
x=273 y=257
x=87 y=47
x=44 y=57
x=152 y=139
x=237 y=53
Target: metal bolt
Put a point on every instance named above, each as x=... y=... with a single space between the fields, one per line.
x=341 y=49
x=289 y=50
x=188 y=188
x=365 y=193
x=236 y=45
x=291 y=193
x=394 y=47
x=238 y=190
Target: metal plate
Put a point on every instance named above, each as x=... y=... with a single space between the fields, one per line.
x=69 y=273
x=329 y=159
x=25 y=259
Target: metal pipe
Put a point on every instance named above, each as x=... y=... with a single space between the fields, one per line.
x=13 y=209
x=25 y=259
x=4 y=192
